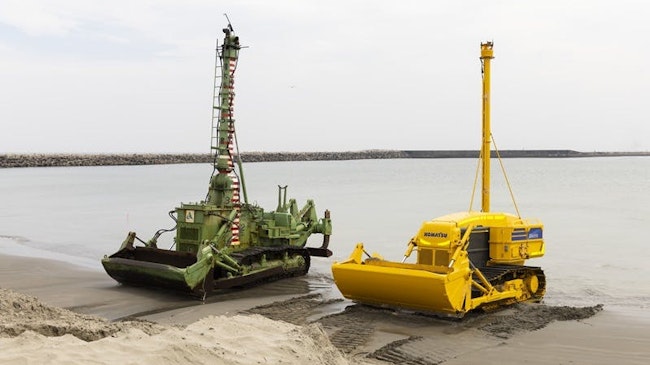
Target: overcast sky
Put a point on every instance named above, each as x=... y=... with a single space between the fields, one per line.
x=83 y=76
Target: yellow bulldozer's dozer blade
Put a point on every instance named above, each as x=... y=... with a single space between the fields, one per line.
x=379 y=282
x=413 y=289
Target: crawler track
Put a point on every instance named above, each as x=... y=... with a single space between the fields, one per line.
x=254 y=255
x=145 y=266
x=498 y=275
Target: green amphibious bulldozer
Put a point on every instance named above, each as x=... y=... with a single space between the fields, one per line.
x=222 y=242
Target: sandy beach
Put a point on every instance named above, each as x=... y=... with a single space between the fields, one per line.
x=55 y=313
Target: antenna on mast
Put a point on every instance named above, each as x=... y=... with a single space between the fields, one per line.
x=228 y=19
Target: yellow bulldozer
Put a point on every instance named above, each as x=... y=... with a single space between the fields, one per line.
x=465 y=261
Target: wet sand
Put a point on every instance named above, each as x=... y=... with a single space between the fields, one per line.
x=287 y=320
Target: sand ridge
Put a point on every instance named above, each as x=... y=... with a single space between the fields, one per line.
x=22 y=313
x=32 y=332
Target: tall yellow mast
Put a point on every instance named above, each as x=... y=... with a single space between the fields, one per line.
x=486 y=57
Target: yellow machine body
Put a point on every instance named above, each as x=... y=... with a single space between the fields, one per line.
x=465 y=260
x=442 y=279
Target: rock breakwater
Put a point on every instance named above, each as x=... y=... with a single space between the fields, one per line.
x=52 y=160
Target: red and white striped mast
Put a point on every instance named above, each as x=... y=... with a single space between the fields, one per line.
x=225 y=186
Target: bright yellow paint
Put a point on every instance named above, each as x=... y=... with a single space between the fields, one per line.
x=486 y=57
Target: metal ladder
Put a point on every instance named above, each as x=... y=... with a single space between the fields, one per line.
x=216 y=102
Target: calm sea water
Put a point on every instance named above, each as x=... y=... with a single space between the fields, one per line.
x=596 y=211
